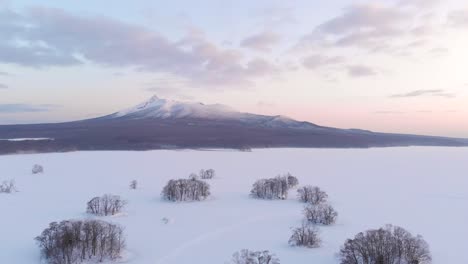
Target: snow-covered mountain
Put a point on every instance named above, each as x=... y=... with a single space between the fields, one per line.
x=159 y=124
x=158 y=108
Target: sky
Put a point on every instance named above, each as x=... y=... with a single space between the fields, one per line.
x=384 y=65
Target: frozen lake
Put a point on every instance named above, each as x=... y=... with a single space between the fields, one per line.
x=424 y=190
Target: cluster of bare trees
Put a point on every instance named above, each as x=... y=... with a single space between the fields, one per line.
x=107 y=204
x=316 y=212
x=70 y=242
x=292 y=181
x=8 y=187
x=207 y=174
x=305 y=236
x=186 y=190
x=312 y=195
x=133 y=185
x=274 y=188
x=322 y=214
x=387 y=245
x=246 y=256
x=37 y=169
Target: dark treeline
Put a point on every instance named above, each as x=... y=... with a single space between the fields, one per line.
x=71 y=242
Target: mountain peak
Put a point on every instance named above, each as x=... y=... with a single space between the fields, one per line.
x=156 y=107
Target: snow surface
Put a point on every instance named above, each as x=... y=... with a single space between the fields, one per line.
x=424 y=190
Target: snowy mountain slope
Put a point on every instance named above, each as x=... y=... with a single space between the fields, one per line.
x=158 y=108
x=421 y=189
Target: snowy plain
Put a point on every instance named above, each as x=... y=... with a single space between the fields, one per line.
x=422 y=189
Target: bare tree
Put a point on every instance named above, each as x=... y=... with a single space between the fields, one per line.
x=8 y=187
x=76 y=241
x=133 y=185
x=186 y=190
x=292 y=181
x=193 y=176
x=207 y=174
x=246 y=256
x=320 y=214
x=312 y=195
x=105 y=205
x=305 y=236
x=274 y=188
x=387 y=245
x=37 y=169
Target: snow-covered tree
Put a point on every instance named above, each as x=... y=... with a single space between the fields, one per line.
x=8 y=187
x=312 y=195
x=107 y=204
x=292 y=181
x=274 y=188
x=320 y=214
x=37 y=169
x=186 y=190
x=133 y=185
x=305 y=236
x=79 y=241
x=387 y=245
x=246 y=256
x=193 y=176
x=207 y=174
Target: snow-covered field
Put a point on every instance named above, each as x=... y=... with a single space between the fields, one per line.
x=424 y=190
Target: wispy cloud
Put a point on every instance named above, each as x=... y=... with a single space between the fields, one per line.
x=458 y=18
x=3 y=86
x=316 y=61
x=389 y=112
x=360 y=71
x=2 y=73
x=263 y=41
x=418 y=93
x=26 y=108
x=374 y=27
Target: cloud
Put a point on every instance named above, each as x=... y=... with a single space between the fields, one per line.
x=4 y=73
x=360 y=71
x=458 y=18
x=419 y=3
x=273 y=17
x=418 y=93
x=3 y=86
x=316 y=61
x=374 y=27
x=265 y=104
x=26 y=108
x=389 y=112
x=261 y=42
x=44 y=37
